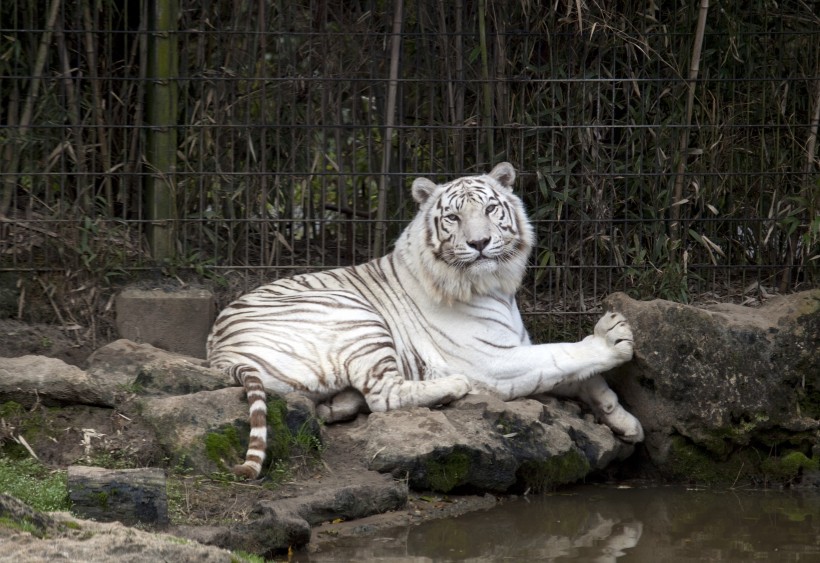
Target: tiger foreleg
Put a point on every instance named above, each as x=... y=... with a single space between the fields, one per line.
x=595 y=392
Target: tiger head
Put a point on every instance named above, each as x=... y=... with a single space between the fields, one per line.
x=470 y=237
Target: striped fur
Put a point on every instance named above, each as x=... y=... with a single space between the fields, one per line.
x=422 y=326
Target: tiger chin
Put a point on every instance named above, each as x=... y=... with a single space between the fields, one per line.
x=422 y=326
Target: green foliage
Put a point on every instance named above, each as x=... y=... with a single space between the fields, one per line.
x=34 y=484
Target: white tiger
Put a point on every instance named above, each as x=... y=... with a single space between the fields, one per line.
x=422 y=326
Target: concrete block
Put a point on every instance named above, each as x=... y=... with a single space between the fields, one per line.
x=177 y=321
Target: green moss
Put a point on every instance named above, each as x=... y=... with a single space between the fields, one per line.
x=545 y=475
x=722 y=442
x=693 y=463
x=689 y=462
x=446 y=473
x=279 y=438
x=11 y=409
x=788 y=467
x=223 y=447
x=102 y=500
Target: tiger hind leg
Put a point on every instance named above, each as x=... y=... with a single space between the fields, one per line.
x=258 y=417
x=398 y=393
x=345 y=405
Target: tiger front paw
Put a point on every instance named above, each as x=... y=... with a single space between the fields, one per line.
x=615 y=331
x=460 y=385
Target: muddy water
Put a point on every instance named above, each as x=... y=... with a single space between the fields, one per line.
x=607 y=524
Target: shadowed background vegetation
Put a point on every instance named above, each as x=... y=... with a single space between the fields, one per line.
x=666 y=149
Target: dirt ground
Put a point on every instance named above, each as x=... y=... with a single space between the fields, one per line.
x=196 y=500
x=20 y=339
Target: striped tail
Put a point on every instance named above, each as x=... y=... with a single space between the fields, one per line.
x=254 y=390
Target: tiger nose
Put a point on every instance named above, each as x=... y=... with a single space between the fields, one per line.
x=479 y=244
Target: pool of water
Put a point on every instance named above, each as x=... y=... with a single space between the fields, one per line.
x=600 y=524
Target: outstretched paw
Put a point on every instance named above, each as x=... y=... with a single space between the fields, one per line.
x=617 y=334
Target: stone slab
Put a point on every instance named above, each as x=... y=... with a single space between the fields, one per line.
x=177 y=321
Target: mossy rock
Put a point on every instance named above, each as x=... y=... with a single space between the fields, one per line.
x=692 y=463
x=448 y=472
x=787 y=468
x=223 y=447
x=548 y=474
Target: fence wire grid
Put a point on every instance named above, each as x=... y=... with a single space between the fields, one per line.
x=666 y=149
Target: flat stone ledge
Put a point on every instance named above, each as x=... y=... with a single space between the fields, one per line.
x=130 y=496
x=176 y=321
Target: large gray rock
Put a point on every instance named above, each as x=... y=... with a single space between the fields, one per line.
x=29 y=380
x=130 y=496
x=726 y=393
x=154 y=371
x=208 y=431
x=279 y=524
x=116 y=372
x=481 y=442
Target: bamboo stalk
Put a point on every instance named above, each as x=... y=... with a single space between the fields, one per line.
x=683 y=148
x=390 y=120
x=487 y=106
x=460 y=94
x=97 y=107
x=811 y=142
x=10 y=179
x=73 y=105
x=161 y=143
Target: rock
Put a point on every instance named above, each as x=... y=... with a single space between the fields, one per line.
x=130 y=496
x=115 y=373
x=28 y=535
x=481 y=442
x=31 y=379
x=208 y=431
x=153 y=371
x=725 y=393
x=17 y=512
x=279 y=524
x=177 y=320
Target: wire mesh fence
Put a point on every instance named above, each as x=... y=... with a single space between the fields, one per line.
x=233 y=143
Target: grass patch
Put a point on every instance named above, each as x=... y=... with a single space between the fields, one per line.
x=34 y=484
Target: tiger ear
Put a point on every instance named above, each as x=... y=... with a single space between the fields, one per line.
x=504 y=174
x=422 y=188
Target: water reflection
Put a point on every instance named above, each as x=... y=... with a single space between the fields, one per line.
x=606 y=524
